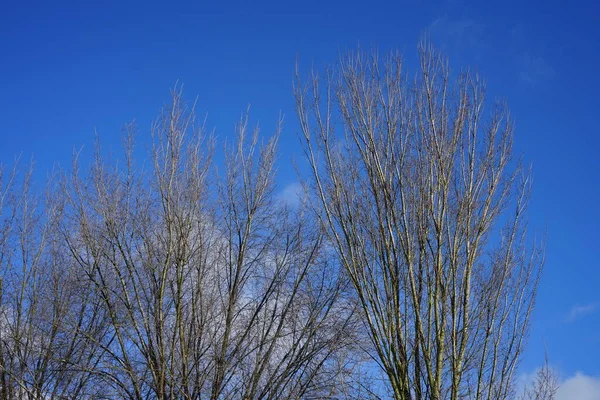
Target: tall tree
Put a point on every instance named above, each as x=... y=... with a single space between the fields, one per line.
x=416 y=188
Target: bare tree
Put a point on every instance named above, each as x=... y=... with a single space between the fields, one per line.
x=46 y=313
x=185 y=277
x=182 y=281
x=211 y=287
x=424 y=207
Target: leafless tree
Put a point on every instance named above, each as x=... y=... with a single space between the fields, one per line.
x=181 y=280
x=424 y=206
x=46 y=312
x=186 y=277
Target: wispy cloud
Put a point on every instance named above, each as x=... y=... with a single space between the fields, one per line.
x=535 y=69
x=292 y=194
x=458 y=35
x=580 y=311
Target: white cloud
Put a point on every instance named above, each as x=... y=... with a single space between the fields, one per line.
x=576 y=387
x=579 y=387
x=292 y=194
x=581 y=311
x=524 y=381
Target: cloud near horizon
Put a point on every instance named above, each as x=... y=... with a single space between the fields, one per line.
x=577 y=387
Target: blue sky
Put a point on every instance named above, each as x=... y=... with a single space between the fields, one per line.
x=67 y=70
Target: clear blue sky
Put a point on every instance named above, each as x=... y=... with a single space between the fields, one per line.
x=69 y=69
